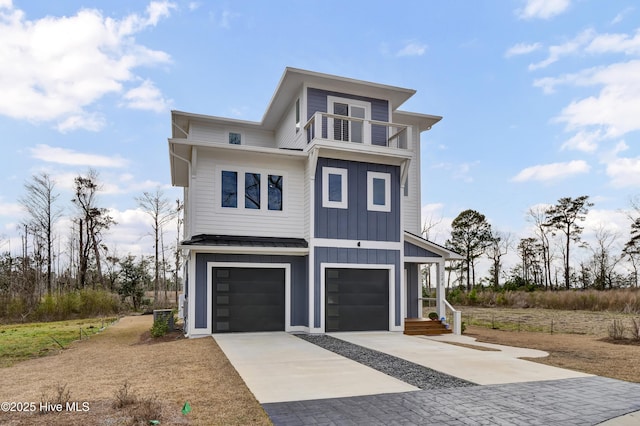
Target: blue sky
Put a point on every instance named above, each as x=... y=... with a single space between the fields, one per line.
x=540 y=98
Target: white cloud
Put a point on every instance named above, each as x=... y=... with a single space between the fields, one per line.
x=615 y=43
x=624 y=172
x=522 y=49
x=413 y=48
x=620 y=16
x=146 y=97
x=616 y=108
x=543 y=9
x=458 y=171
x=553 y=171
x=570 y=47
x=10 y=209
x=61 y=66
x=70 y=157
x=583 y=141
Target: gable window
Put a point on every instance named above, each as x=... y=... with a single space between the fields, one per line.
x=235 y=138
x=334 y=188
x=378 y=191
x=252 y=191
x=229 y=189
x=275 y=192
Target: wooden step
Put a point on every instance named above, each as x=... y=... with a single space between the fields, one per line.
x=424 y=327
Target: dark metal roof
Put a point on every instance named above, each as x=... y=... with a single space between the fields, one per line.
x=244 y=241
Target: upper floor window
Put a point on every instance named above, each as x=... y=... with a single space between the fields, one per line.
x=334 y=187
x=378 y=191
x=229 y=189
x=352 y=128
x=258 y=193
x=235 y=138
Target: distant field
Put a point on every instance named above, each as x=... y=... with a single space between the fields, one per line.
x=24 y=341
x=545 y=320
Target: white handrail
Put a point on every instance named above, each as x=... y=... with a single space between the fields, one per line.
x=457 y=317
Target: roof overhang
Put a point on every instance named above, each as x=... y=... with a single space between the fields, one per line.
x=418 y=241
x=422 y=121
x=235 y=244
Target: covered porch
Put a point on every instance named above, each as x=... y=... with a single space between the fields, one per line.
x=419 y=251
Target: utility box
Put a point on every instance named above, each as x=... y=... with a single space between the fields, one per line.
x=166 y=314
x=181 y=306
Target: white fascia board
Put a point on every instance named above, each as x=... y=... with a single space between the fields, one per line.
x=428 y=245
x=412 y=259
x=242 y=148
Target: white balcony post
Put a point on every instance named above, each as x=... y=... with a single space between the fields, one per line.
x=440 y=296
x=317 y=126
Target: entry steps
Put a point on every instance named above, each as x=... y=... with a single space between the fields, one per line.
x=425 y=327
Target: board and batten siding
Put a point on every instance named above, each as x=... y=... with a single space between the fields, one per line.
x=219 y=134
x=317 y=102
x=211 y=218
x=299 y=287
x=356 y=222
x=411 y=250
x=348 y=256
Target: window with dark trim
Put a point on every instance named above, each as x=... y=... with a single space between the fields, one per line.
x=297 y=115
x=275 y=192
x=252 y=191
x=235 y=138
x=229 y=189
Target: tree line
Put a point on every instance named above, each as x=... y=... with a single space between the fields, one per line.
x=50 y=263
x=545 y=260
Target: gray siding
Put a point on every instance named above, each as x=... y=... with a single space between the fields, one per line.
x=356 y=222
x=351 y=256
x=299 y=293
x=413 y=289
x=317 y=102
x=415 y=251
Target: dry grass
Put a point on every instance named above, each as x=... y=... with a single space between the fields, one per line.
x=580 y=341
x=168 y=372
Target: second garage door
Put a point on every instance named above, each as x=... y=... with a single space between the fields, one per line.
x=248 y=299
x=356 y=299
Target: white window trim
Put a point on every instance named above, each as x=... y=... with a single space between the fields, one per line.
x=264 y=191
x=366 y=136
x=342 y=204
x=237 y=132
x=387 y=192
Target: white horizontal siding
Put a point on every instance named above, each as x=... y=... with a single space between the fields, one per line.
x=219 y=134
x=286 y=135
x=211 y=218
x=412 y=206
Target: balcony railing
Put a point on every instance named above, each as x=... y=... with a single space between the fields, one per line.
x=341 y=128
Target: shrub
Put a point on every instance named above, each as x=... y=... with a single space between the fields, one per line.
x=616 y=330
x=124 y=396
x=160 y=326
x=433 y=316
x=635 y=330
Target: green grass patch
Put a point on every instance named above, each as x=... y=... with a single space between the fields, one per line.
x=32 y=340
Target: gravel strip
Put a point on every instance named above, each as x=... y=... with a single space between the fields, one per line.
x=413 y=374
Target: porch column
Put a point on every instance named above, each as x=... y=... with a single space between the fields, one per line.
x=440 y=295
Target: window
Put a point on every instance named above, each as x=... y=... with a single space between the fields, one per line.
x=334 y=188
x=229 y=189
x=297 y=115
x=378 y=191
x=352 y=128
x=275 y=192
x=252 y=191
x=235 y=138
x=262 y=191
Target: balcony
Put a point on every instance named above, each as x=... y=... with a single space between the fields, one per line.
x=352 y=130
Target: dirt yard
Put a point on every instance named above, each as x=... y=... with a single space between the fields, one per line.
x=580 y=340
x=161 y=376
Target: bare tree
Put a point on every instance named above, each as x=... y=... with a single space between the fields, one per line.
x=604 y=260
x=93 y=221
x=501 y=243
x=179 y=220
x=39 y=202
x=538 y=216
x=157 y=206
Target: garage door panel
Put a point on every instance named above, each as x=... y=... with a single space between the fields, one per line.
x=248 y=299
x=356 y=299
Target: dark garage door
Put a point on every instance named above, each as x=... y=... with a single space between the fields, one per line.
x=248 y=299
x=356 y=299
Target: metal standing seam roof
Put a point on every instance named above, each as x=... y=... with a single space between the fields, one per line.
x=244 y=241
